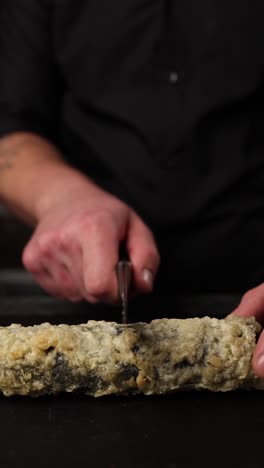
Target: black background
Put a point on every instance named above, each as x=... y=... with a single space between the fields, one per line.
x=183 y=430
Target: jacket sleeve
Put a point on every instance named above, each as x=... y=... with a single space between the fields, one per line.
x=30 y=85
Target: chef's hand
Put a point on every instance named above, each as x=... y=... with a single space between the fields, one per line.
x=252 y=304
x=74 y=250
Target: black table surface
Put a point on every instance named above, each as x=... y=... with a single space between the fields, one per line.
x=178 y=431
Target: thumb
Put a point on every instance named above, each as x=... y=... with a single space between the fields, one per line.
x=143 y=253
x=252 y=304
x=258 y=358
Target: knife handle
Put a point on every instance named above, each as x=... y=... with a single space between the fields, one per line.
x=124 y=274
x=123 y=255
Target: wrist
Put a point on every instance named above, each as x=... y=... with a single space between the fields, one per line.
x=36 y=178
x=61 y=183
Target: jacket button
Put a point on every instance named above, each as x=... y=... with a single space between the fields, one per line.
x=173 y=78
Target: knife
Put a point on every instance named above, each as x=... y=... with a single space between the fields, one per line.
x=124 y=273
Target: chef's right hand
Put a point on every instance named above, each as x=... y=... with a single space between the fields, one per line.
x=74 y=250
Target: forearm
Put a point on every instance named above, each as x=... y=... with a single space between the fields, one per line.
x=74 y=248
x=33 y=175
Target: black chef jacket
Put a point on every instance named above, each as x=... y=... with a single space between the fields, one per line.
x=160 y=102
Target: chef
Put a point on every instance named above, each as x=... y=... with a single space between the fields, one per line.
x=138 y=123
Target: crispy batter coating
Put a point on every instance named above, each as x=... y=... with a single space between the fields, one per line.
x=103 y=358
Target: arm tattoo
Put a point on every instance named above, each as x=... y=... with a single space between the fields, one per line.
x=9 y=151
x=6 y=159
x=7 y=156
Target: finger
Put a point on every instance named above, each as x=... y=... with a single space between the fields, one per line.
x=143 y=254
x=67 y=248
x=100 y=256
x=50 y=272
x=47 y=282
x=63 y=280
x=57 y=283
x=252 y=304
x=72 y=263
x=258 y=358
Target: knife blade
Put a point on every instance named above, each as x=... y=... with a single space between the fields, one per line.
x=124 y=273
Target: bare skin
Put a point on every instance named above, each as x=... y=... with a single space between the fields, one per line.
x=78 y=227
x=252 y=304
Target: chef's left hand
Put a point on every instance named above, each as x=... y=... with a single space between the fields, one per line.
x=252 y=304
